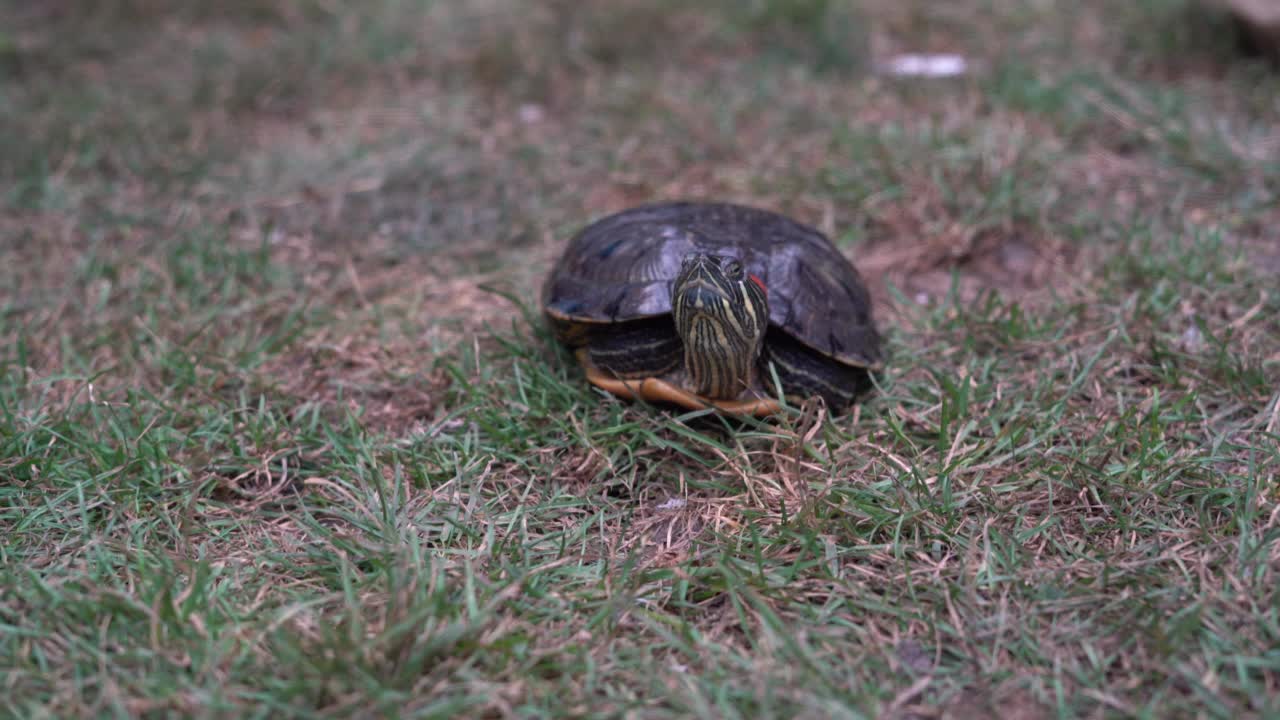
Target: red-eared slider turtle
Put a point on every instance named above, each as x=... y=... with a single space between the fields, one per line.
x=694 y=303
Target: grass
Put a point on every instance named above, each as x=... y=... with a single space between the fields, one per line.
x=282 y=433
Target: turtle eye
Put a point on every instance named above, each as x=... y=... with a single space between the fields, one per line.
x=733 y=269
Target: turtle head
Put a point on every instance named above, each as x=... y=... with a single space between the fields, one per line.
x=721 y=313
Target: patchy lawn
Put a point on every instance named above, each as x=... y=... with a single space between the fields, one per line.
x=282 y=433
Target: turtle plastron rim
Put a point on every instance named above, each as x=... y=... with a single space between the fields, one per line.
x=653 y=389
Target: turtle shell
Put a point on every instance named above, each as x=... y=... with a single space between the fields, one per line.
x=621 y=268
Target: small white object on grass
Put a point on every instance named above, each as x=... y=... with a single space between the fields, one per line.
x=531 y=113
x=1192 y=339
x=674 y=503
x=922 y=65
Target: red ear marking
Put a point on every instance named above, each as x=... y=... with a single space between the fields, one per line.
x=760 y=283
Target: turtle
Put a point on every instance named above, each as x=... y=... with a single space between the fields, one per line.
x=703 y=303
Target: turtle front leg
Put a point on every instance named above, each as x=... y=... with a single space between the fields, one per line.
x=641 y=348
x=804 y=373
x=660 y=390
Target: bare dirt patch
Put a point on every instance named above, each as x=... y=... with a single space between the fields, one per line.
x=664 y=535
x=389 y=376
x=381 y=385
x=1014 y=262
x=974 y=704
x=1259 y=237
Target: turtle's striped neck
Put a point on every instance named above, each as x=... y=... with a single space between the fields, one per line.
x=721 y=315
